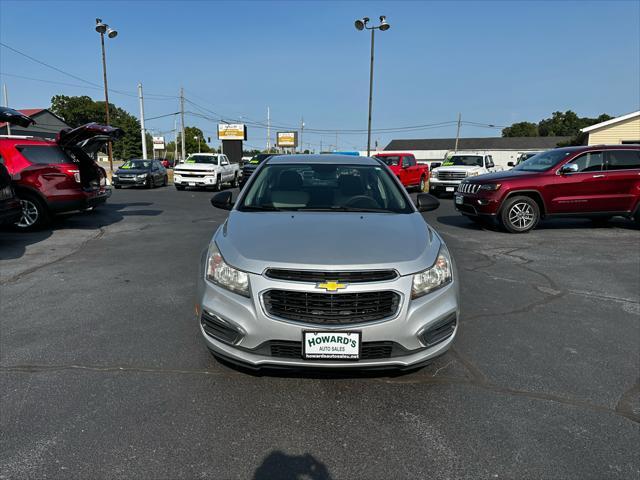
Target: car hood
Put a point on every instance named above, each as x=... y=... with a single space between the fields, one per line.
x=458 y=168
x=255 y=241
x=502 y=175
x=14 y=117
x=132 y=171
x=195 y=166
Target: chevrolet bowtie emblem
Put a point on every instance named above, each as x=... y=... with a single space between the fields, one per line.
x=331 y=286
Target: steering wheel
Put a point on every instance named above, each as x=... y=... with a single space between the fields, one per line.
x=362 y=201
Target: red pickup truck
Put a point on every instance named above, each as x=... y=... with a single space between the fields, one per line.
x=597 y=182
x=408 y=171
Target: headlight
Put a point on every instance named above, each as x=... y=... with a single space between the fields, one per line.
x=472 y=174
x=433 y=174
x=439 y=275
x=490 y=187
x=142 y=176
x=224 y=275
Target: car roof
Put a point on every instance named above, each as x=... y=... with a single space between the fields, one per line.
x=329 y=159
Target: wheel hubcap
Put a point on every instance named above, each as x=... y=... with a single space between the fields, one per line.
x=29 y=214
x=521 y=215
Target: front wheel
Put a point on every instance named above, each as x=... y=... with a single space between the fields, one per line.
x=520 y=214
x=149 y=182
x=165 y=182
x=218 y=186
x=235 y=183
x=179 y=187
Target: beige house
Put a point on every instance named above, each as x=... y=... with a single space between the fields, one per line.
x=620 y=130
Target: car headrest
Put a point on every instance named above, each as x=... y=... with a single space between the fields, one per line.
x=350 y=185
x=289 y=180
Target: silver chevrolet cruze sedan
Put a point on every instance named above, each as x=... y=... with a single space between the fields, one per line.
x=324 y=261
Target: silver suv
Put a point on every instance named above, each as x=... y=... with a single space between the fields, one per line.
x=325 y=262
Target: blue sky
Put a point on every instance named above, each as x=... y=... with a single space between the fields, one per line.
x=495 y=62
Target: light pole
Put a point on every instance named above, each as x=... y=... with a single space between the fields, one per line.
x=197 y=138
x=103 y=28
x=361 y=25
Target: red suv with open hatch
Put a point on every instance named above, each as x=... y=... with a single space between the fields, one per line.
x=52 y=176
x=597 y=181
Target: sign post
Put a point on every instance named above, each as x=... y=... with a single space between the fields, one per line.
x=232 y=135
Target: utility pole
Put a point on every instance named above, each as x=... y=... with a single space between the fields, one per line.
x=320 y=144
x=143 y=132
x=337 y=141
x=458 y=132
x=268 y=130
x=184 y=154
x=6 y=104
x=175 y=141
x=301 y=132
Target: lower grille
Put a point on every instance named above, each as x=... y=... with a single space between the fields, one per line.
x=219 y=329
x=331 y=308
x=319 y=276
x=370 y=350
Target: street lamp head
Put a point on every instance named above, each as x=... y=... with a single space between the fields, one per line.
x=100 y=27
x=359 y=25
x=383 y=23
x=111 y=33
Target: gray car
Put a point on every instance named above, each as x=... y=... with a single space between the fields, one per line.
x=324 y=261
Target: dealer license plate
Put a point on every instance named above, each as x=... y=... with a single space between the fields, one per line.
x=192 y=184
x=459 y=200
x=449 y=189
x=331 y=345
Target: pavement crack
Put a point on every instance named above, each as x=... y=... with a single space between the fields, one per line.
x=625 y=403
x=100 y=233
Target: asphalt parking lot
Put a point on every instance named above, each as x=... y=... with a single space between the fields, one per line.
x=104 y=374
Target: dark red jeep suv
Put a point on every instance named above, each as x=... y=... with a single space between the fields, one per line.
x=598 y=182
x=52 y=176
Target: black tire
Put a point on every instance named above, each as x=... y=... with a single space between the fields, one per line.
x=601 y=221
x=149 y=182
x=519 y=214
x=165 y=182
x=179 y=187
x=235 y=183
x=35 y=213
x=117 y=187
x=218 y=185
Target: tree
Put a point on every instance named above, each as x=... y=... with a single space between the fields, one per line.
x=77 y=111
x=521 y=129
x=191 y=135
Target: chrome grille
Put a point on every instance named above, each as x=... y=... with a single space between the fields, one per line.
x=466 y=187
x=452 y=175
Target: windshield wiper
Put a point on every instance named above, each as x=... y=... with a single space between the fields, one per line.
x=345 y=209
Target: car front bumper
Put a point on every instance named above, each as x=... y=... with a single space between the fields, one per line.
x=189 y=181
x=476 y=205
x=124 y=181
x=403 y=334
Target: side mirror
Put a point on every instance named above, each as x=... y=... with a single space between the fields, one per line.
x=490 y=165
x=222 y=200
x=510 y=164
x=435 y=165
x=426 y=202
x=568 y=168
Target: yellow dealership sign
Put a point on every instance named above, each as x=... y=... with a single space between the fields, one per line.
x=232 y=131
x=287 y=139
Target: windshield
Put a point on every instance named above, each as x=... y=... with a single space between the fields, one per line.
x=201 y=159
x=392 y=161
x=322 y=187
x=463 y=161
x=543 y=161
x=136 y=164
